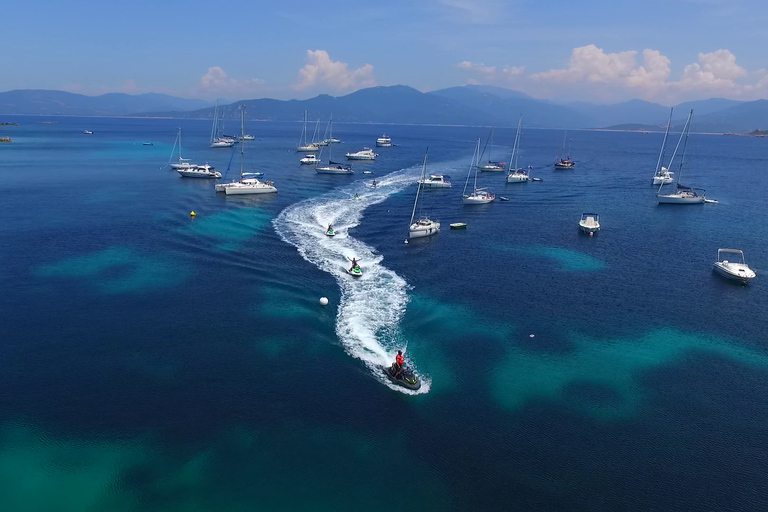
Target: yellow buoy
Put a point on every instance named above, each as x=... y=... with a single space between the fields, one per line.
x=192 y=214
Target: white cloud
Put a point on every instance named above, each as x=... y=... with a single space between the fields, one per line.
x=321 y=70
x=216 y=82
x=488 y=71
x=491 y=74
x=714 y=71
x=591 y=64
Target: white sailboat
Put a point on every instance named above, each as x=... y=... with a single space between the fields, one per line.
x=662 y=175
x=216 y=140
x=478 y=195
x=515 y=174
x=247 y=185
x=565 y=163
x=332 y=167
x=424 y=226
x=682 y=194
x=304 y=146
x=490 y=166
x=183 y=163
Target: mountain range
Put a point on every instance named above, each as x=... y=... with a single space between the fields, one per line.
x=466 y=105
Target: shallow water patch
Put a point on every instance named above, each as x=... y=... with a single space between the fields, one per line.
x=230 y=227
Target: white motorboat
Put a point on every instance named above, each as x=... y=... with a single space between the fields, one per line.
x=736 y=270
x=478 y=195
x=247 y=137
x=515 y=173
x=199 y=171
x=383 y=142
x=310 y=158
x=248 y=184
x=491 y=165
x=682 y=195
x=424 y=226
x=333 y=140
x=565 y=163
x=87 y=132
x=589 y=223
x=364 y=154
x=435 y=181
x=663 y=177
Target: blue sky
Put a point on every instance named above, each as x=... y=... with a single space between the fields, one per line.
x=593 y=50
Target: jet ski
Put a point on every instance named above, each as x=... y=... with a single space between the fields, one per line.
x=355 y=272
x=407 y=378
x=330 y=232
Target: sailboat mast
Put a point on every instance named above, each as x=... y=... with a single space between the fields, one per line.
x=513 y=158
x=242 y=140
x=472 y=165
x=664 y=142
x=418 y=190
x=685 y=144
x=215 y=119
x=683 y=134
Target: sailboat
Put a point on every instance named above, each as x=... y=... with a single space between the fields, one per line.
x=332 y=167
x=565 y=163
x=478 y=195
x=681 y=195
x=183 y=163
x=216 y=140
x=249 y=184
x=424 y=226
x=491 y=166
x=515 y=174
x=303 y=146
x=662 y=175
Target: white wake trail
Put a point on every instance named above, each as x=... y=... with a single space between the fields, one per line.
x=372 y=306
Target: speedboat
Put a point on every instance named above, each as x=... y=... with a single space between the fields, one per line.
x=311 y=158
x=87 y=132
x=407 y=378
x=435 y=181
x=479 y=196
x=364 y=154
x=383 y=142
x=589 y=223
x=565 y=163
x=199 y=171
x=663 y=177
x=736 y=270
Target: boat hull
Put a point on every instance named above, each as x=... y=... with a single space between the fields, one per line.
x=490 y=168
x=333 y=170
x=190 y=173
x=734 y=271
x=477 y=199
x=308 y=149
x=680 y=199
x=517 y=178
x=423 y=229
x=249 y=190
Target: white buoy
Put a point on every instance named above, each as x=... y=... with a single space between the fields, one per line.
x=323 y=301
x=531 y=335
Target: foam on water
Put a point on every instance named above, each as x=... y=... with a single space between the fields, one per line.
x=371 y=307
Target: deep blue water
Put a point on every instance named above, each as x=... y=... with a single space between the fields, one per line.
x=154 y=361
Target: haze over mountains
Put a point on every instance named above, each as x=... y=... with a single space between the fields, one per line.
x=465 y=105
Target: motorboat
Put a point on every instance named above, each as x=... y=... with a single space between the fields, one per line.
x=383 y=142
x=247 y=137
x=406 y=378
x=199 y=171
x=663 y=177
x=435 y=181
x=589 y=223
x=730 y=269
x=364 y=154
x=459 y=225
x=333 y=140
x=310 y=158
x=87 y=132
x=565 y=163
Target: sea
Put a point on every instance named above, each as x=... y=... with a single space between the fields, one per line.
x=151 y=359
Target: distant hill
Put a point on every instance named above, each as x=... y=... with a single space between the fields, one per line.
x=471 y=105
x=45 y=102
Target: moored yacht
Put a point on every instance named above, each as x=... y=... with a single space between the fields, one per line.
x=199 y=171
x=364 y=154
x=736 y=270
x=435 y=181
x=589 y=223
x=310 y=158
x=383 y=142
x=663 y=177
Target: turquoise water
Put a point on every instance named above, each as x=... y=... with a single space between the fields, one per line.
x=154 y=360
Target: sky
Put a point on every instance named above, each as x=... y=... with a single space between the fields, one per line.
x=664 y=51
